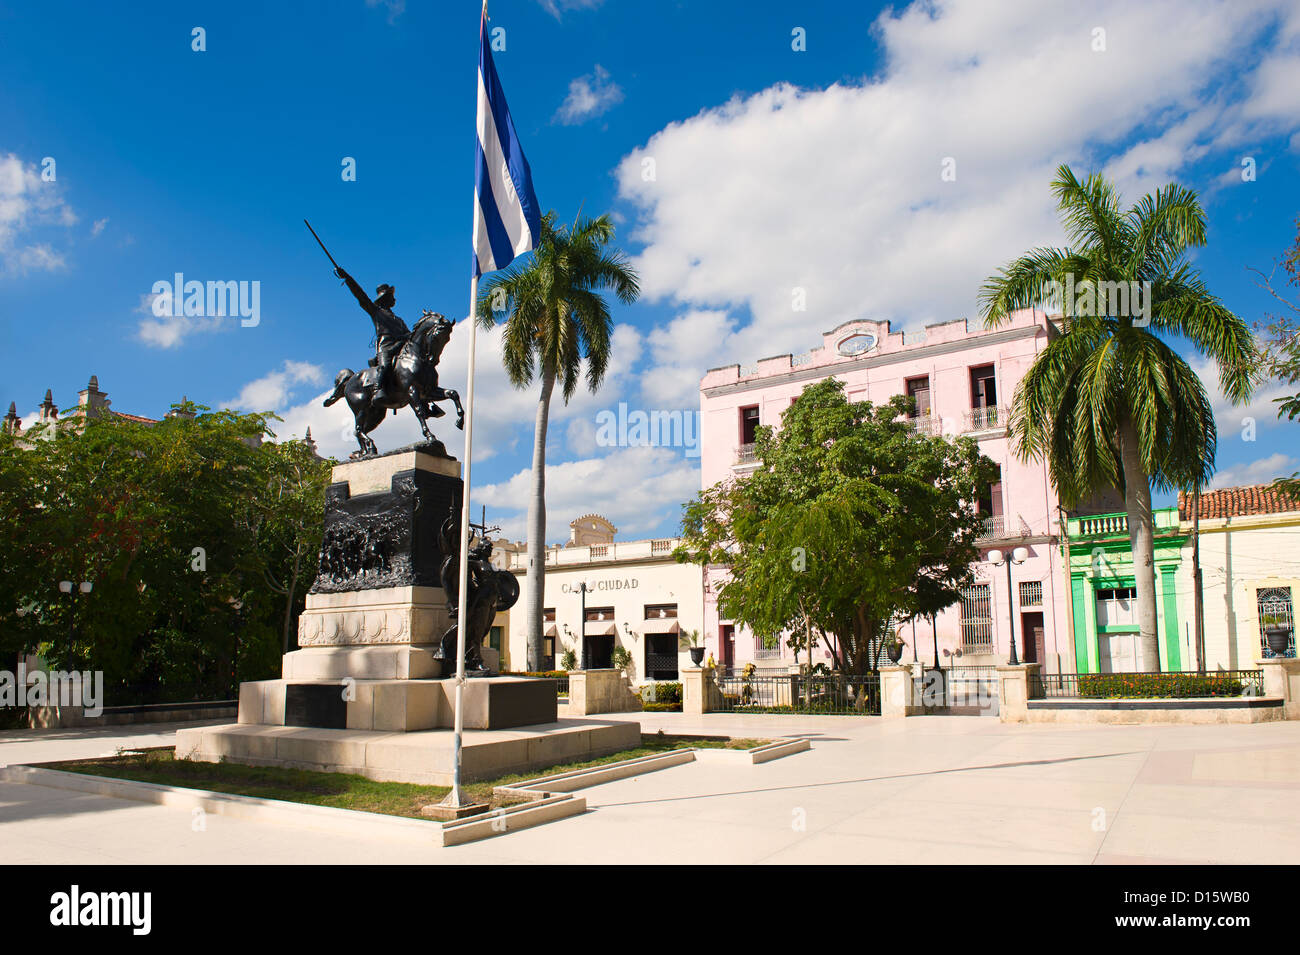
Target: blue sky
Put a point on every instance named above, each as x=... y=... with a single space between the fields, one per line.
x=775 y=168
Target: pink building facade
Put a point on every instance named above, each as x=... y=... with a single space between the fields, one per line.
x=963 y=379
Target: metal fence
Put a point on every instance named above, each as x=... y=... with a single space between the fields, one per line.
x=959 y=689
x=1168 y=685
x=792 y=693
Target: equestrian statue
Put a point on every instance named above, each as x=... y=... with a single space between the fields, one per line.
x=404 y=370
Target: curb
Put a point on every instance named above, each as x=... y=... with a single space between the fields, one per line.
x=329 y=818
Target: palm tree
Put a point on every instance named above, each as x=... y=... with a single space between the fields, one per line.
x=1108 y=402
x=556 y=319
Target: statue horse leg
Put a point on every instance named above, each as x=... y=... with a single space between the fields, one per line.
x=421 y=410
x=447 y=394
x=366 y=415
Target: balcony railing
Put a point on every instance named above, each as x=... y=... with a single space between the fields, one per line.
x=984 y=419
x=618 y=550
x=926 y=424
x=745 y=454
x=993 y=528
x=1104 y=525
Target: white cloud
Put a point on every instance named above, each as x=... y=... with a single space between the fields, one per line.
x=395 y=8
x=589 y=96
x=273 y=390
x=838 y=192
x=637 y=488
x=1235 y=421
x=29 y=204
x=1262 y=471
x=557 y=8
x=503 y=415
x=97 y=227
x=167 y=330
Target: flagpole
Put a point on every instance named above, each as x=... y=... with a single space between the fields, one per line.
x=462 y=591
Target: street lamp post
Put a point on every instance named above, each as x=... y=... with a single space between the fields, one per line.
x=997 y=559
x=583 y=587
x=67 y=587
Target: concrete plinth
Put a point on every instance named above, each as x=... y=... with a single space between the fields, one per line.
x=399 y=705
x=412 y=757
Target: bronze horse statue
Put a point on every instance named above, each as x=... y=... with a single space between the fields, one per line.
x=414 y=383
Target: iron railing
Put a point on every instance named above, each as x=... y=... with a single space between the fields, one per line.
x=1166 y=685
x=984 y=419
x=745 y=454
x=793 y=693
x=970 y=688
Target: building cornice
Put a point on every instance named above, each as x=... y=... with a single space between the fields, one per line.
x=871 y=360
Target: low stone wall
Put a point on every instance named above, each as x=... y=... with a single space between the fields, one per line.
x=1280 y=701
x=1257 y=709
x=592 y=692
x=64 y=717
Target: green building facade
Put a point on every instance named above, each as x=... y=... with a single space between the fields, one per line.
x=1103 y=608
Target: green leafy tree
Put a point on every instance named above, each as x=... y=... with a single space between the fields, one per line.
x=556 y=320
x=852 y=519
x=178 y=525
x=1109 y=403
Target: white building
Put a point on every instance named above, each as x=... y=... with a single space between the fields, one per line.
x=602 y=593
x=1250 y=571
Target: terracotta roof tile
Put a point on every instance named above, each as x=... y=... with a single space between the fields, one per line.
x=1238 y=502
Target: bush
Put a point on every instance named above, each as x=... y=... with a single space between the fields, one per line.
x=541 y=674
x=1157 y=685
x=661 y=707
x=668 y=693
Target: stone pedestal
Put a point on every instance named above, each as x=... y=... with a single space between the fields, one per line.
x=700 y=693
x=1013 y=692
x=601 y=691
x=365 y=671
x=897 y=696
x=1282 y=679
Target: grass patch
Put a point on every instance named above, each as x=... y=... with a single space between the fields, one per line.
x=346 y=790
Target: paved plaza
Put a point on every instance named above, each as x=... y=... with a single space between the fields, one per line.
x=936 y=790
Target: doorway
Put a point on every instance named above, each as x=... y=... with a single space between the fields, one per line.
x=727 y=645
x=1031 y=631
x=598 y=652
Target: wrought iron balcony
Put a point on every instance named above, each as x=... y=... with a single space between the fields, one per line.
x=745 y=455
x=994 y=528
x=984 y=419
x=925 y=424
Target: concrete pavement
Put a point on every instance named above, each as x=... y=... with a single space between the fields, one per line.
x=938 y=790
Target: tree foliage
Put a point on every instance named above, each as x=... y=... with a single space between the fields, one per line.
x=851 y=521
x=556 y=320
x=189 y=531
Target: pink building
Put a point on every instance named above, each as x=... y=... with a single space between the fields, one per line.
x=962 y=378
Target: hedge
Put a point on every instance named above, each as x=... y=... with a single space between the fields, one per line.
x=1148 y=685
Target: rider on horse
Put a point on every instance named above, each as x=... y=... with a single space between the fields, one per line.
x=391 y=332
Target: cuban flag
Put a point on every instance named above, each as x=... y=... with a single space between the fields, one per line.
x=507 y=220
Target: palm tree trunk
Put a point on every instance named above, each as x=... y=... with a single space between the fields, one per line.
x=1137 y=502
x=536 y=571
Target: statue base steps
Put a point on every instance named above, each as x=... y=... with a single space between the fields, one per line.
x=397 y=705
x=421 y=757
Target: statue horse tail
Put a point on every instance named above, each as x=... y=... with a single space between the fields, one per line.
x=340 y=383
